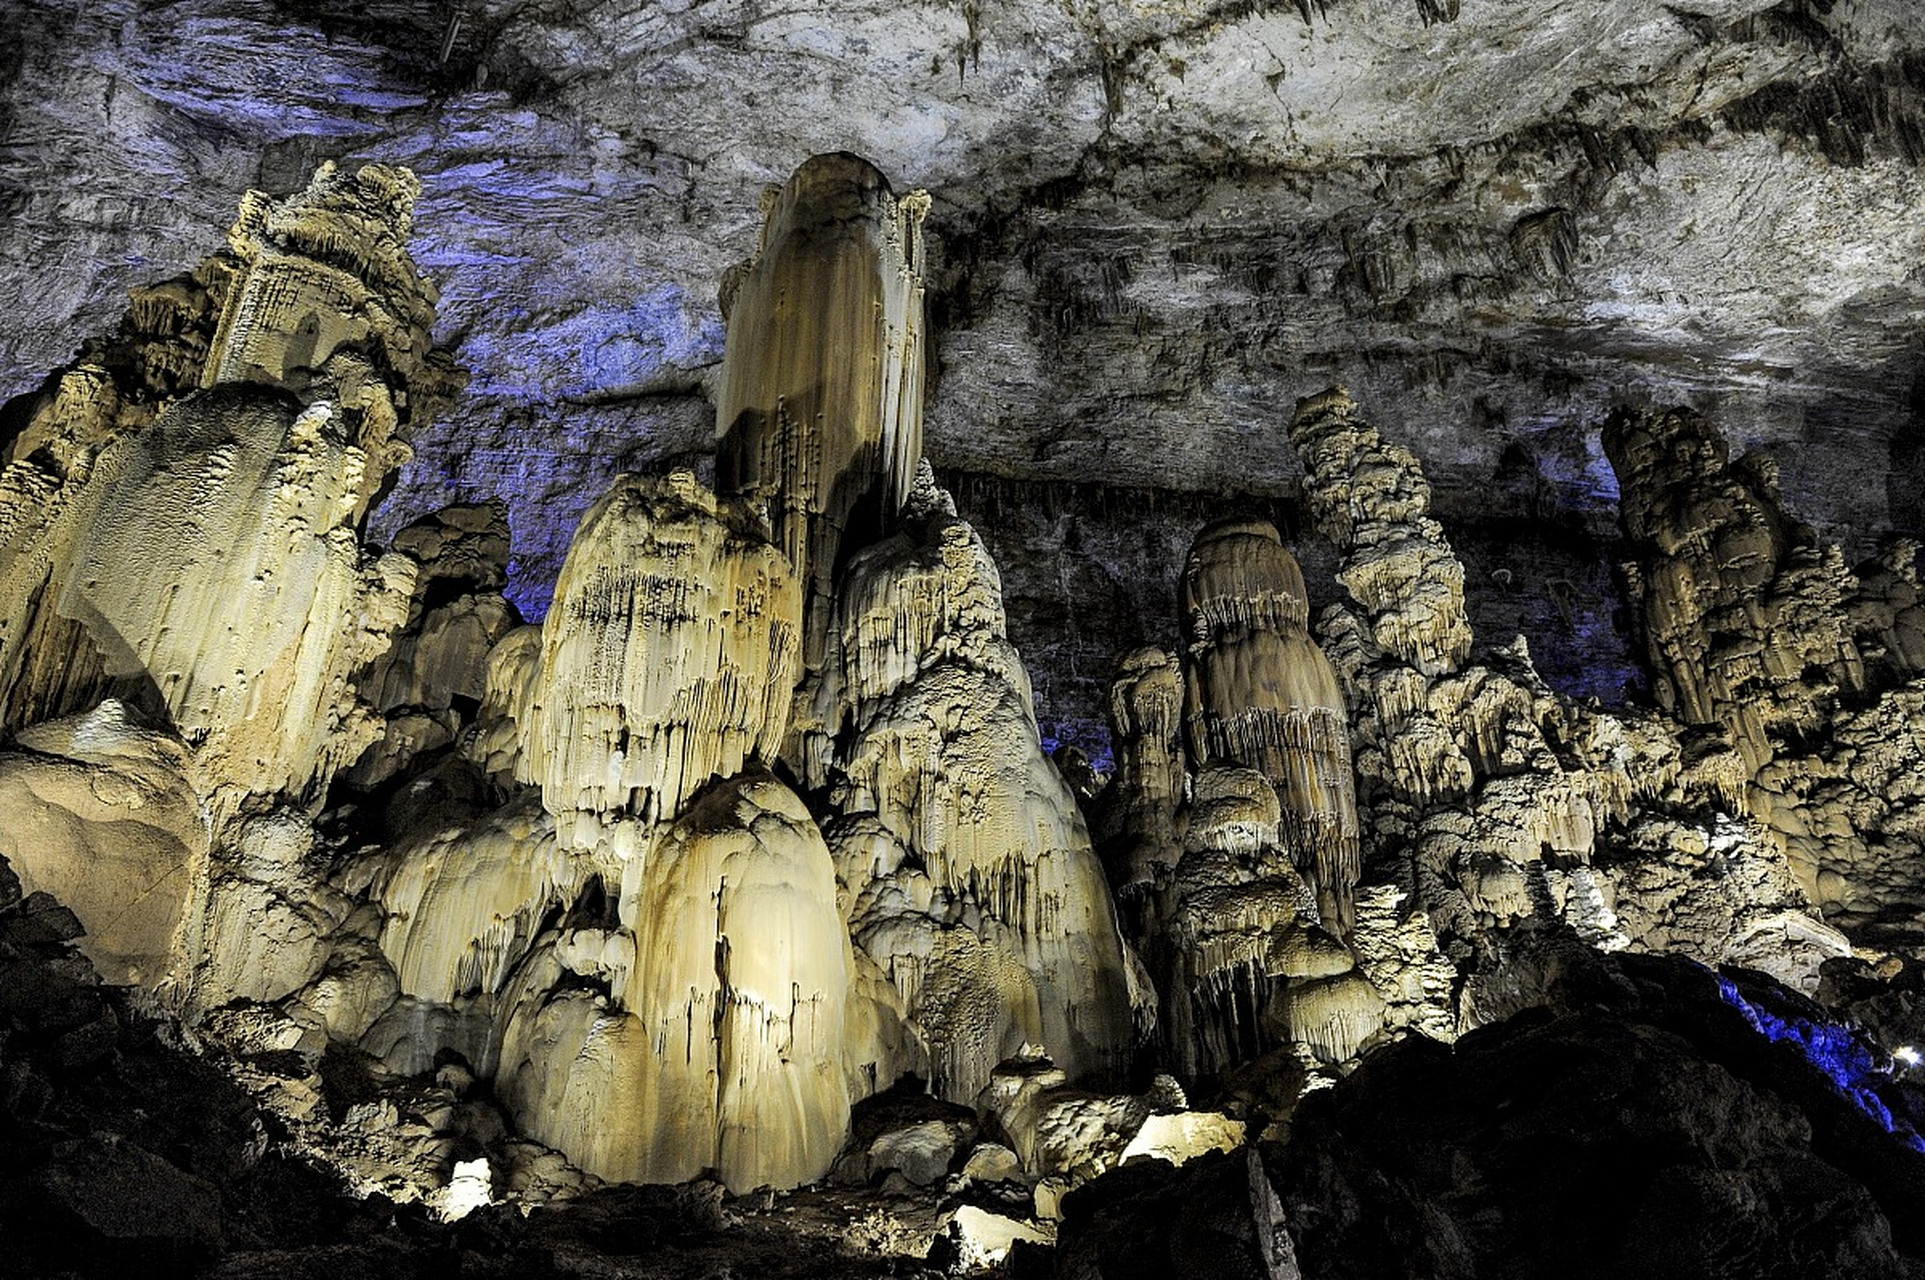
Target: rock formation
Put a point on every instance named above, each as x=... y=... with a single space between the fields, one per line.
x=968 y=864
x=182 y=568
x=1759 y=631
x=749 y=866
x=670 y=657
x=1262 y=695
x=355 y=812
x=820 y=403
x=1743 y=612
x=726 y=1049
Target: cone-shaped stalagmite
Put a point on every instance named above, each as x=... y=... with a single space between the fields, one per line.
x=1261 y=694
x=820 y=405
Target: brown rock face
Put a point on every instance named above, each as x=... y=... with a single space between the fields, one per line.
x=1744 y=612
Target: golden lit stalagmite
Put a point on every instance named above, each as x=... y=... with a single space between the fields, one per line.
x=820 y=403
x=1261 y=694
x=669 y=658
x=179 y=532
x=969 y=868
x=730 y=1047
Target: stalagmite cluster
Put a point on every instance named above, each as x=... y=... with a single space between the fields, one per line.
x=1759 y=632
x=181 y=570
x=1504 y=804
x=374 y=815
x=967 y=862
x=748 y=863
x=1231 y=828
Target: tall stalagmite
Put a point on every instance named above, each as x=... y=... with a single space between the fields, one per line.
x=820 y=402
x=972 y=880
x=1261 y=694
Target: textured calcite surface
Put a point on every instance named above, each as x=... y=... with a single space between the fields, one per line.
x=820 y=400
x=1262 y=695
x=968 y=863
x=728 y=1048
x=183 y=571
x=102 y=813
x=1758 y=630
x=670 y=656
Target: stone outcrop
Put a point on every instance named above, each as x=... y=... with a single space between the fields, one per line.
x=1758 y=629
x=967 y=863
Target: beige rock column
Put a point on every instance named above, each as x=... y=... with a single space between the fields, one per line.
x=1262 y=694
x=730 y=1049
x=669 y=657
x=971 y=875
x=1139 y=832
x=820 y=402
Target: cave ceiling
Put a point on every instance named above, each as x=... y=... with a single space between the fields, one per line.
x=1154 y=226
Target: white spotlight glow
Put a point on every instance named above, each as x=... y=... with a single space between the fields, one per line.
x=467 y=1191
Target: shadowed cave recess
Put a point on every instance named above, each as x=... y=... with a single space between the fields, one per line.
x=1176 y=640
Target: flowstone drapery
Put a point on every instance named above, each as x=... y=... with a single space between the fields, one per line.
x=377 y=816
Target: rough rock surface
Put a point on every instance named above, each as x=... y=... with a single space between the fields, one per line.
x=641 y=884
x=669 y=659
x=1638 y=1125
x=967 y=862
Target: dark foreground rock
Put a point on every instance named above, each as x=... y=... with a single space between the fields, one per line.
x=1651 y=1131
